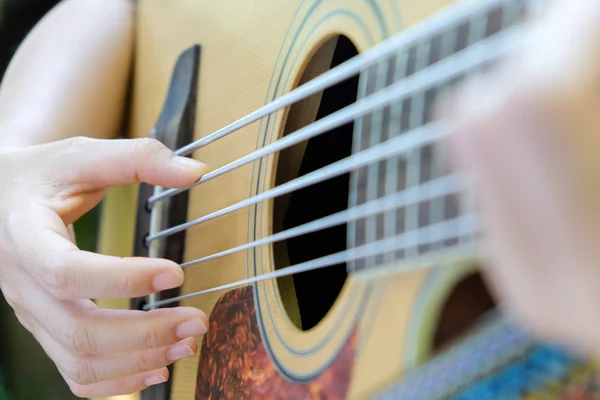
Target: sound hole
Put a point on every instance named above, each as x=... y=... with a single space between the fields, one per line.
x=469 y=300
x=308 y=296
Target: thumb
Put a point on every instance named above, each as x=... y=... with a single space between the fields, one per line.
x=99 y=163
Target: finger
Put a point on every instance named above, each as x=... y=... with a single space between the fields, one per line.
x=85 y=275
x=147 y=330
x=84 y=329
x=106 y=368
x=118 y=387
x=99 y=163
x=86 y=370
x=43 y=247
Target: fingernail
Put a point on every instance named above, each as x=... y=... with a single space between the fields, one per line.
x=191 y=328
x=154 y=380
x=167 y=280
x=189 y=163
x=179 y=351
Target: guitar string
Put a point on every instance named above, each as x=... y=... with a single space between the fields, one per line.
x=464 y=225
x=418 y=137
x=154 y=248
x=442 y=20
x=475 y=56
x=430 y=190
x=332 y=121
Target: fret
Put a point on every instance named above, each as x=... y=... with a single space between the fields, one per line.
x=354 y=227
x=375 y=137
x=413 y=170
x=440 y=159
x=364 y=134
x=393 y=164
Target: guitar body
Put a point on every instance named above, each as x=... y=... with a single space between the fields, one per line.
x=323 y=334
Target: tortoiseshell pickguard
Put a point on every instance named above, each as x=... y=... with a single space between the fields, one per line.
x=234 y=363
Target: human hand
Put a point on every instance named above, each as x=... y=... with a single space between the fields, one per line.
x=530 y=136
x=49 y=282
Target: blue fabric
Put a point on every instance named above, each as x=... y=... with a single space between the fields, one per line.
x=535 y=371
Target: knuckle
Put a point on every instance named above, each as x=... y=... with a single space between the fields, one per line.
x=145 y=363
x=80 y=372
x=155 y=152
x=79 y=338
x=149 y=338
x=152 y=146
x=76 y=145
x=57 y=278
x=127 y=285
x=77 y=142
x=84 y=371
x=120 y=387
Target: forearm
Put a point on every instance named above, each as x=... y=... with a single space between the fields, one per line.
x=70 y=76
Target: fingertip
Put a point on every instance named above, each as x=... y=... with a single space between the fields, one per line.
x=158 y=262
x=190 y=164
x=204 y=318
x=192 y=342
x=156 y=377
x=165 y=265
x=187 y=312
x=167 y=280
x=193 y=168
x=192 y=311
x=154 y=274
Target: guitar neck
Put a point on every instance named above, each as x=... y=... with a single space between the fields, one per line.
x=434 y=221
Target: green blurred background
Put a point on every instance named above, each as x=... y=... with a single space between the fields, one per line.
x=26 y=373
